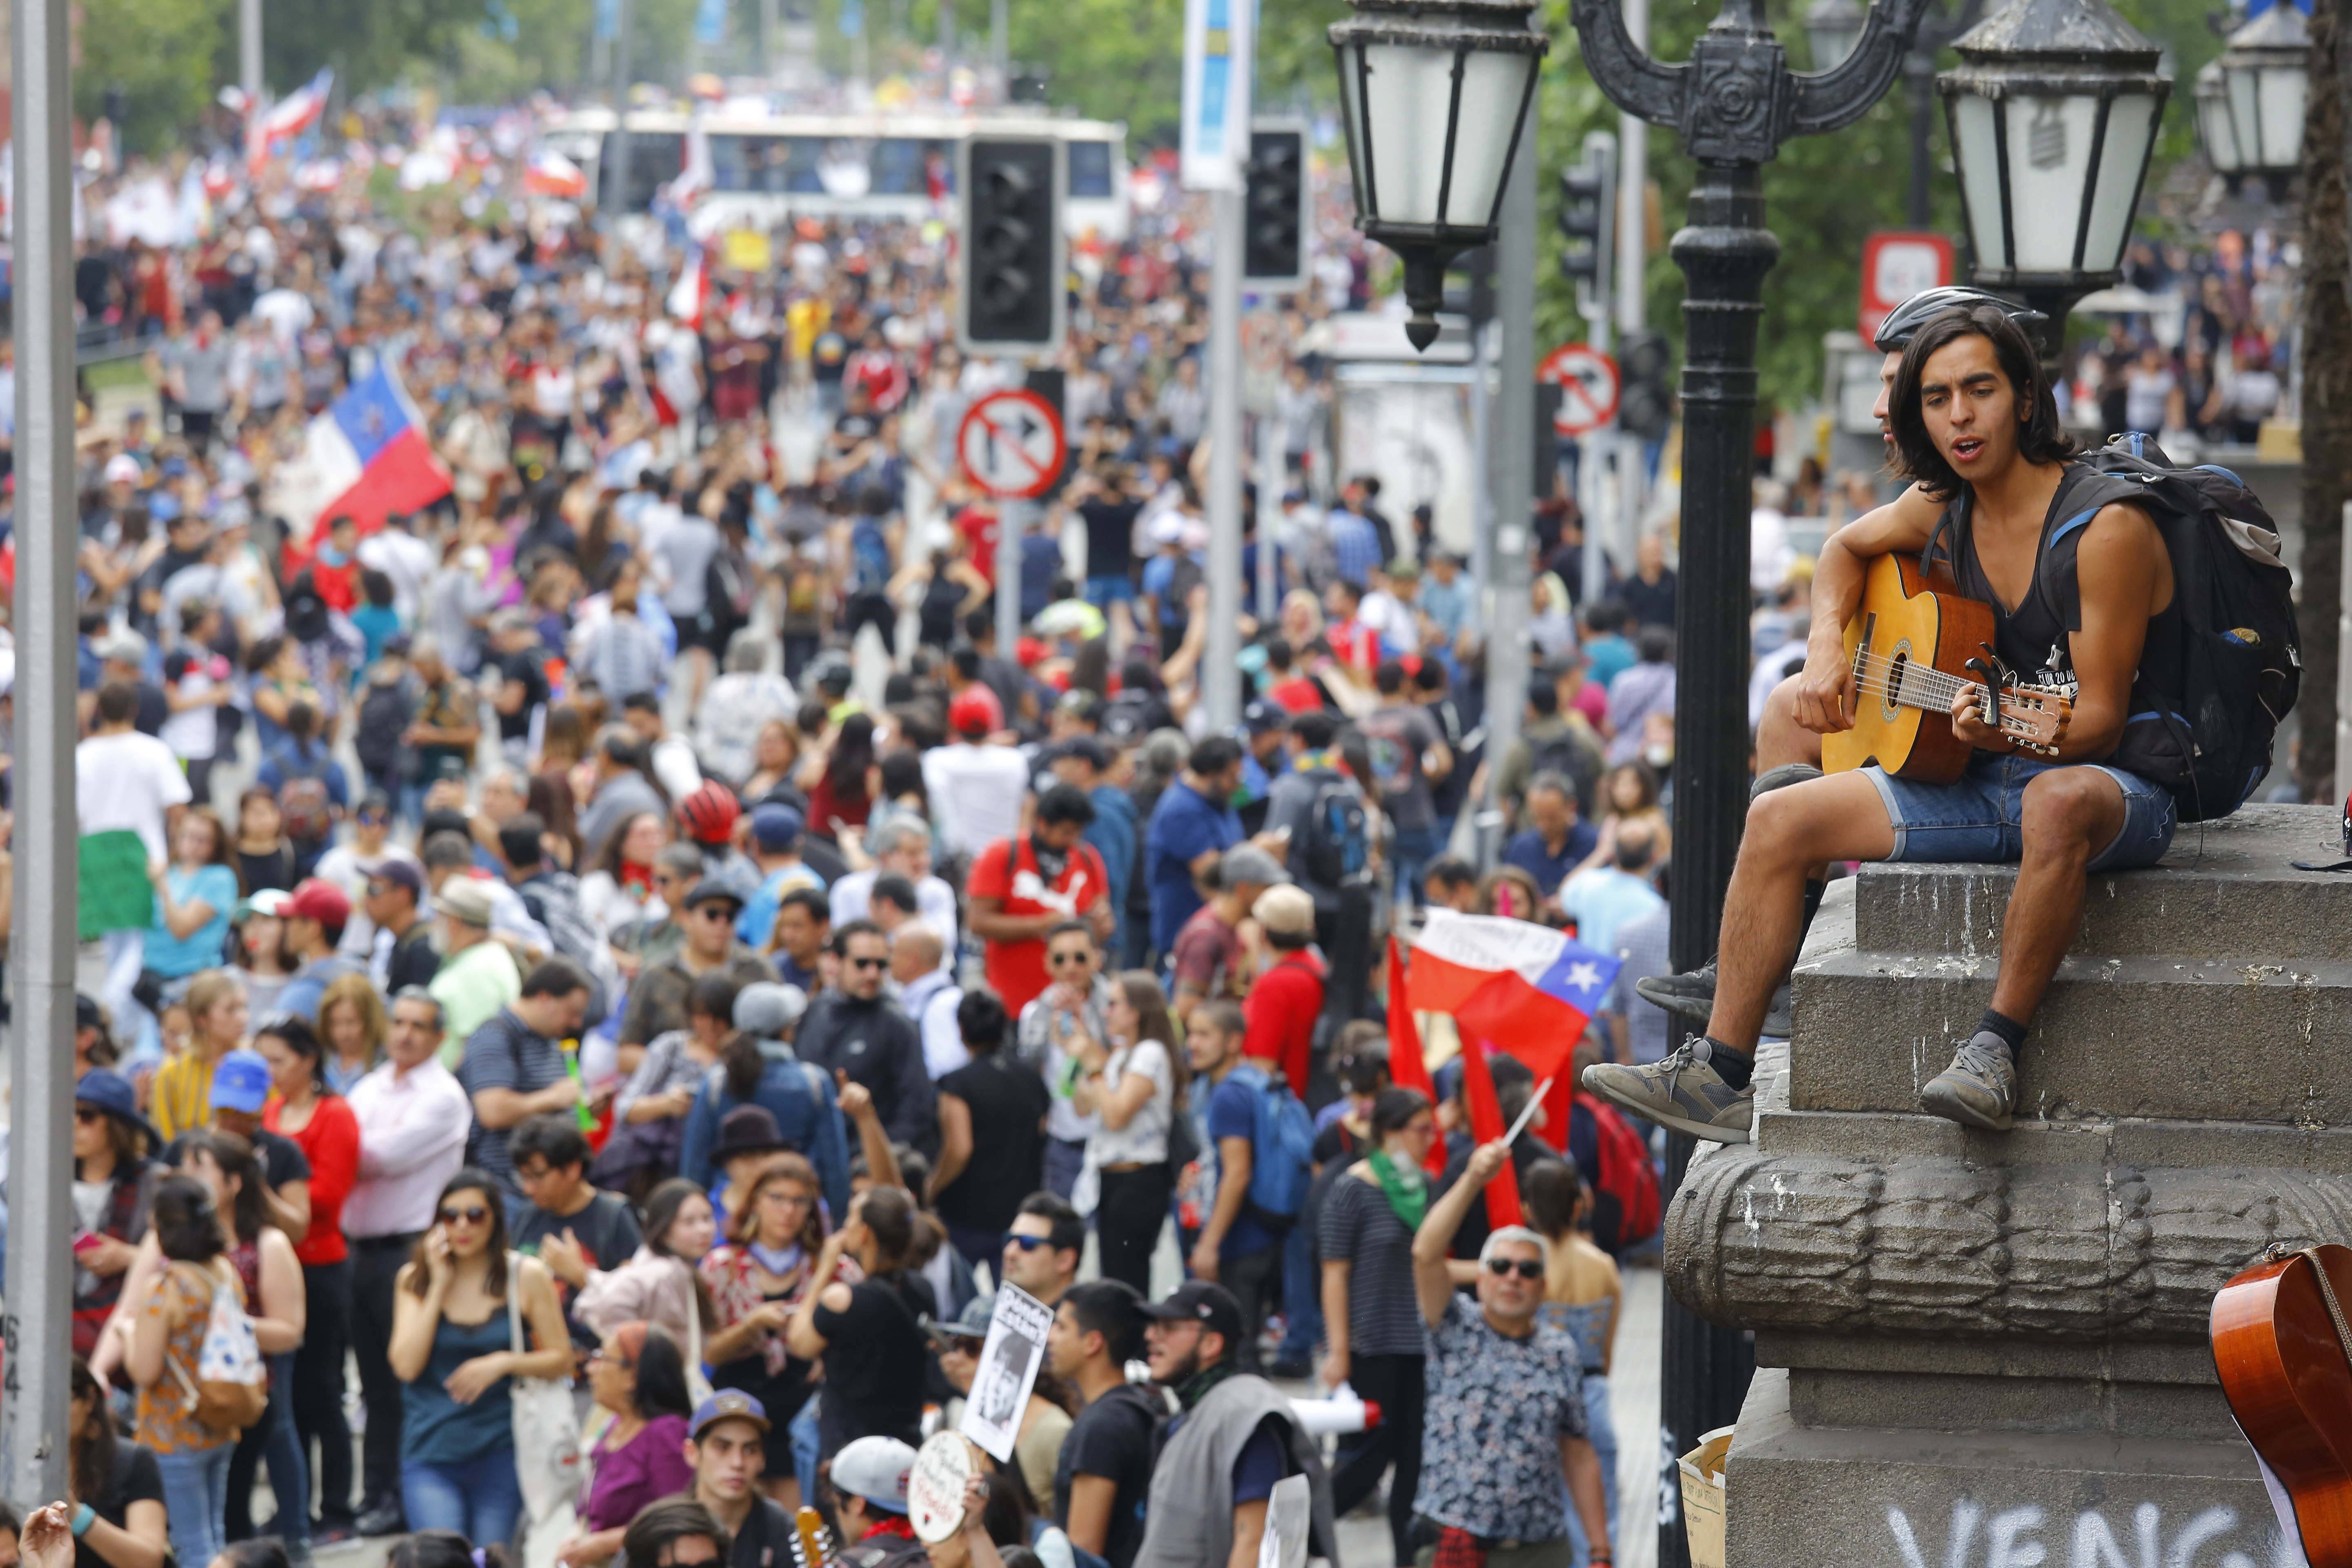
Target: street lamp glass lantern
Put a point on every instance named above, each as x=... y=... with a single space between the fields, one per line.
x=2054 y=112
x=2265 y=74
x=1432 y=94
x=2214 y=126
x=1833 y=27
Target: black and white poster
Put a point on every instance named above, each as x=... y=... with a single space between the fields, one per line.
x=1010 y=1359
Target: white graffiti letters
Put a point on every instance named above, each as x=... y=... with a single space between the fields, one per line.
x=2026 y=1537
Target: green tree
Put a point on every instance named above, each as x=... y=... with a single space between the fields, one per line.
x=159 y=54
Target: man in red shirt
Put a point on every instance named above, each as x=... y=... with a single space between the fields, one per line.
x=1022 y=886
x=1282 y=1006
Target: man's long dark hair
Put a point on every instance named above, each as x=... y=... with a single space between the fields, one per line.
x=2042 y=439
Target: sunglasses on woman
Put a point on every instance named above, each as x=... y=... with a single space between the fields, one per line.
x=473 y=1214
x=1528 y=1268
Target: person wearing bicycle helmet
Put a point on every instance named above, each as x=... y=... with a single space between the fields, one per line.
x=1903 y=323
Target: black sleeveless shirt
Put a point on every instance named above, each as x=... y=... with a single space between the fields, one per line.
x=2032 y=640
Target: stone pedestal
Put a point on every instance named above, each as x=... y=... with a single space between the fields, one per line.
x=1988 y=1349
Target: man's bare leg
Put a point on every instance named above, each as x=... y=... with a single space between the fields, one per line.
x=1704 y=1089
x=1789 y=832
x=2069 y=814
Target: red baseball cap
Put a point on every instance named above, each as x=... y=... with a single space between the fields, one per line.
x=318 y=901
x=974 y=711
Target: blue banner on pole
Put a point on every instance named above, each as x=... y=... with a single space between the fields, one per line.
x=710 y=22
x=853 y=18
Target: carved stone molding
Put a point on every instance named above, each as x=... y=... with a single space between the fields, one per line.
x=2075 y=1252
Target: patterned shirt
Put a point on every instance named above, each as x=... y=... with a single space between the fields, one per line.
x=1498 y=1407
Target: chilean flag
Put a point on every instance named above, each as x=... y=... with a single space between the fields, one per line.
x=1527 y=987
x=368 y=455
x=551 y=173
x=290 y=116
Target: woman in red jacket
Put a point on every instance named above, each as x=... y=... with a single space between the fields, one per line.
x=321 y=1125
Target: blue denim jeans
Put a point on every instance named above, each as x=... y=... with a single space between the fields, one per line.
x=1603 y=1431
x=480 y=1499
x=272 y=1439
x=806 y=1441
x=1409 y=851
x=1981 y=815
x=196 y=1496
x=1302 y=1304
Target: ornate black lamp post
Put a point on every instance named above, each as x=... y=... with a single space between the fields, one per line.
x=1432 y=94
x=1734 y=103
x=2250 y=103
x=1943 y=23
x=2052 y=112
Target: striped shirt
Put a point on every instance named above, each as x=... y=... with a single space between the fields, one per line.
x=1359 y=1226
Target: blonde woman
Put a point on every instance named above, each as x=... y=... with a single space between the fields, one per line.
x=353 y=1027
x=184 y=1086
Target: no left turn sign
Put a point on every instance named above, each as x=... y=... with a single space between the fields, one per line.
x=1588 y=383
x=1011 y=445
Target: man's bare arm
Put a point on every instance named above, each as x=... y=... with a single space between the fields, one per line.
x=2125 y=577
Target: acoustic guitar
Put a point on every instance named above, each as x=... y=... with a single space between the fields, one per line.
x=2283 y=1348
x=1913 y=647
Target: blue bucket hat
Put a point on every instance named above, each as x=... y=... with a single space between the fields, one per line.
x=110 y=1093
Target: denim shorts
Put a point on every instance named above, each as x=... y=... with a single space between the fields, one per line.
x=1977 y=817
x=1110 y=588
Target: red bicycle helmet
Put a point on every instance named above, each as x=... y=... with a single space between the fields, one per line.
x=707 y=814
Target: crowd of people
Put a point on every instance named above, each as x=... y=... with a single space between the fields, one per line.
x=628 y=928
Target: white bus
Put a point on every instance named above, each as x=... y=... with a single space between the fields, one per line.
x=769 y=168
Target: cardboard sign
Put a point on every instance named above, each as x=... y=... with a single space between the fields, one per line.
x=935 y=1487
x=1010 y=1359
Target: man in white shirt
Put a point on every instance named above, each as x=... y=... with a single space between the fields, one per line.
x=901 y=846
x=406 y=559
x=413 y=1116
x=928 y=994
x=975 y=791
x=127 y=781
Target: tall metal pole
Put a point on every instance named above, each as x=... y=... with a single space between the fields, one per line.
x=1000 y=33
x=616 y=181
x=768 y=27
x=1512 y=430
x=1221 y=675
x=1271 y=479
x=947 y=34
x=1633 y=311
x=1012 y=524
x=1920 y=81
x=248 y=53
x=38 y=1328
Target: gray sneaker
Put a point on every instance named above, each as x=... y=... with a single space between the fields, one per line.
x=1691 y=997
x=1978 y=1088
x=1684 y=1092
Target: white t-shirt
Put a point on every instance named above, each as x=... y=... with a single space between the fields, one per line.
x=128 y=781
x=407 y=561
x=852 y=899
x=1144 y=1139
x=975 y=794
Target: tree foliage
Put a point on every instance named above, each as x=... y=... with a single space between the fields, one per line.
x=159 y=54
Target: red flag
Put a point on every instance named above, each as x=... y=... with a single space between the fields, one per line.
x=1486 y=1124
x=1408 y=1068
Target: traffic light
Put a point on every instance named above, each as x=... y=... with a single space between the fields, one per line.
x=1010 y=285
x=1645 y=403
x=1588 y=214
x=1275 y=217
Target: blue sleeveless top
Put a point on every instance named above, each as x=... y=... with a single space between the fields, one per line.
x=434 y=1429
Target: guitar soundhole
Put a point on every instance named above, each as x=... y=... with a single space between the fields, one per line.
x=1898 y=667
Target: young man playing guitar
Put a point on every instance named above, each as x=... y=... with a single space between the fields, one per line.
x=1976 y=429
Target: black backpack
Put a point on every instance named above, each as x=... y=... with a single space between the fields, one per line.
x=385 y=715
x=1336 y=847
x=2205 y=711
